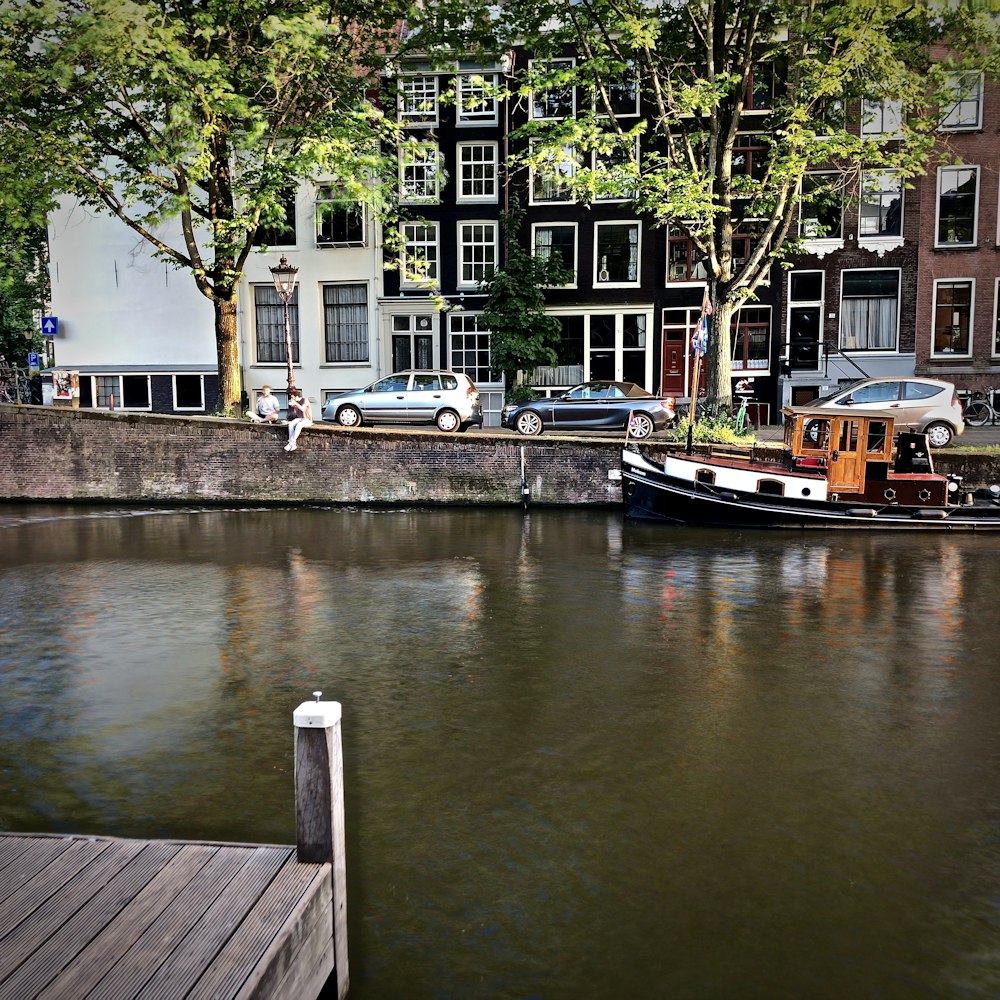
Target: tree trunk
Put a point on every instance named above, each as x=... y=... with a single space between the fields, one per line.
x=720 y=356
x=228 y=348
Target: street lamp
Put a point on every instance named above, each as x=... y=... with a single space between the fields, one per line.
x=284 y=283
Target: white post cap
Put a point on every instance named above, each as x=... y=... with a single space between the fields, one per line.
x=317 y=714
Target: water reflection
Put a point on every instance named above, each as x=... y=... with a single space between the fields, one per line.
x=586 y=759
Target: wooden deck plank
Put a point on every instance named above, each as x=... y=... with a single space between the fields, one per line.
x=29 y=862
x=104 y=951
x=207 y=938
x=153 y=948
x=47 y=881
x=243 y=954
x=38 y=948
x=12 y=847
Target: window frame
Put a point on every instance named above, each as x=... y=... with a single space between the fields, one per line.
x=825 y=238
x=418 y=117
x=346 y=209
x=574 y=228
x=490 y=248
x=888 y=107
x=617 y=223
x=479 y=347
x=328 y=327
x=841 y=343
x=532 y=94
x=962 y=99
x=935 y=306
x=630 y=75
x=293 y=316
x=173 y=390
x=570 y=156
x=461 y=166
x=882 y=192
x=432 y=277
x=290 y=196
x=100 y=400
x=956 y=245
x=424 y=169
x=465 y=118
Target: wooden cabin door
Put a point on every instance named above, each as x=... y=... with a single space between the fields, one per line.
x=847 y=466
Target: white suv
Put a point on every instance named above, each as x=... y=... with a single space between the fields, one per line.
x=448 y=399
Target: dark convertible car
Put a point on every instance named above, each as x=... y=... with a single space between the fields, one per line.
x=594 y=406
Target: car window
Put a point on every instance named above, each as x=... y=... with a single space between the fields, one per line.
x=391 y=383
x=615 y=393
x=426 y=382
x=449 y=381
x=580 y=392
x=920 y=390
x=880 y=392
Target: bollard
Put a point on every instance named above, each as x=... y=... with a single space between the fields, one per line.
x=319 y=809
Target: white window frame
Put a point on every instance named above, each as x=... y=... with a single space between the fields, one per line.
x=531 y=96
x=476 y=256
x=419 y=116
x=881 y=117
x=335 y=308
x=173 y=389
x=996 y=318
x=325 y=196
x=535 y=226
x=419 y=167
x=894 y=349
x=882 y=190
x=825 y=240
x=480 y=339
x=942 y=171
x=598 y=104
x=431 y=254
x=609 y=198
x=480 y=90
x=955 y=118
x=971 y=282
x=466 y=169
x=119 y=394
x=569 y=158
x=598 y=226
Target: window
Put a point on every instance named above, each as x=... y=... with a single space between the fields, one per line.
x=957 y=201
x=419 y=259
x=189 y=392
x=883 y=117
x=869 y=310
x=750 y=156
x=279 y=231
x=338 y=223
x=617 y=253
x=345 y=322
x=418 y=172
x=557 y=242
x=477 y=242
x=614 y=169
x=552 y=175
x=621 y=93
x=953 y=317
x=966 y=109
x=821 y=212
x=557 y=100
x=881 y=211
x=418 y=99
x=751 y=334
x=269 y=316
x=412 y=342
x=469 y=347
x=760 y=87
x=477 y=98
x=805 y=319
x=129 y=392
x=477 y=171
x=684 y=261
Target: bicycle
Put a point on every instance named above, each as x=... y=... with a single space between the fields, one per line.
x=979 y=409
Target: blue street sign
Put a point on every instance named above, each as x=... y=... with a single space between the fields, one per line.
x=33 y=362
x=50 y=326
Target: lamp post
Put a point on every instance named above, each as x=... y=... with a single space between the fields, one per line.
x=284 y=283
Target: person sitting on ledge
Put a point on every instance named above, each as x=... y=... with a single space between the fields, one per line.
x=268 y=408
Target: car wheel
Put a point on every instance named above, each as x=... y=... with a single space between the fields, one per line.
x=349 y=416
x=939 y=435
x=528 y=423
x=642 y=426
x=811 y=431
x=447 y=421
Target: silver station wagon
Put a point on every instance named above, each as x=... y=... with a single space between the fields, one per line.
x=449 y=400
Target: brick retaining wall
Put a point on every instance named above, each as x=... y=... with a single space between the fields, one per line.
x=55 y=453
x=50 y=453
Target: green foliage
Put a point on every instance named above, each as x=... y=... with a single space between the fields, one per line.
x=522 y=335
x=719 y=429
x=518 y=394
x=23 y=289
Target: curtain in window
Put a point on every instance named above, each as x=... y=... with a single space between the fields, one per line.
x=270 y=324
x=868 y=324
x=345 y=309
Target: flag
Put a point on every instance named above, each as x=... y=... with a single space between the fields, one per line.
x=632 y=423
x=706 y=305
x=699 y=341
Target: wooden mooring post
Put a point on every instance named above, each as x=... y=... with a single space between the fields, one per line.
x=319 y=809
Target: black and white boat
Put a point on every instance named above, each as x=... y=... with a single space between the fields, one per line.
x=835 y=471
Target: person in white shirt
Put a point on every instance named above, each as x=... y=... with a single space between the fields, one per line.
x=268 y=408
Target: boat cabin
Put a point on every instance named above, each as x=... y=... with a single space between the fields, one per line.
x=855 y=452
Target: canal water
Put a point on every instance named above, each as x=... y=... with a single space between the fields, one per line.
x=584 y=759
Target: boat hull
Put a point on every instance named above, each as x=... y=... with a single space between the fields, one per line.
x=649 y=494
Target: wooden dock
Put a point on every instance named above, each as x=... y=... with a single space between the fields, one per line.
x=103 y=917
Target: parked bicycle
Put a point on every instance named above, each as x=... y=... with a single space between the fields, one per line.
x=979 y=409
